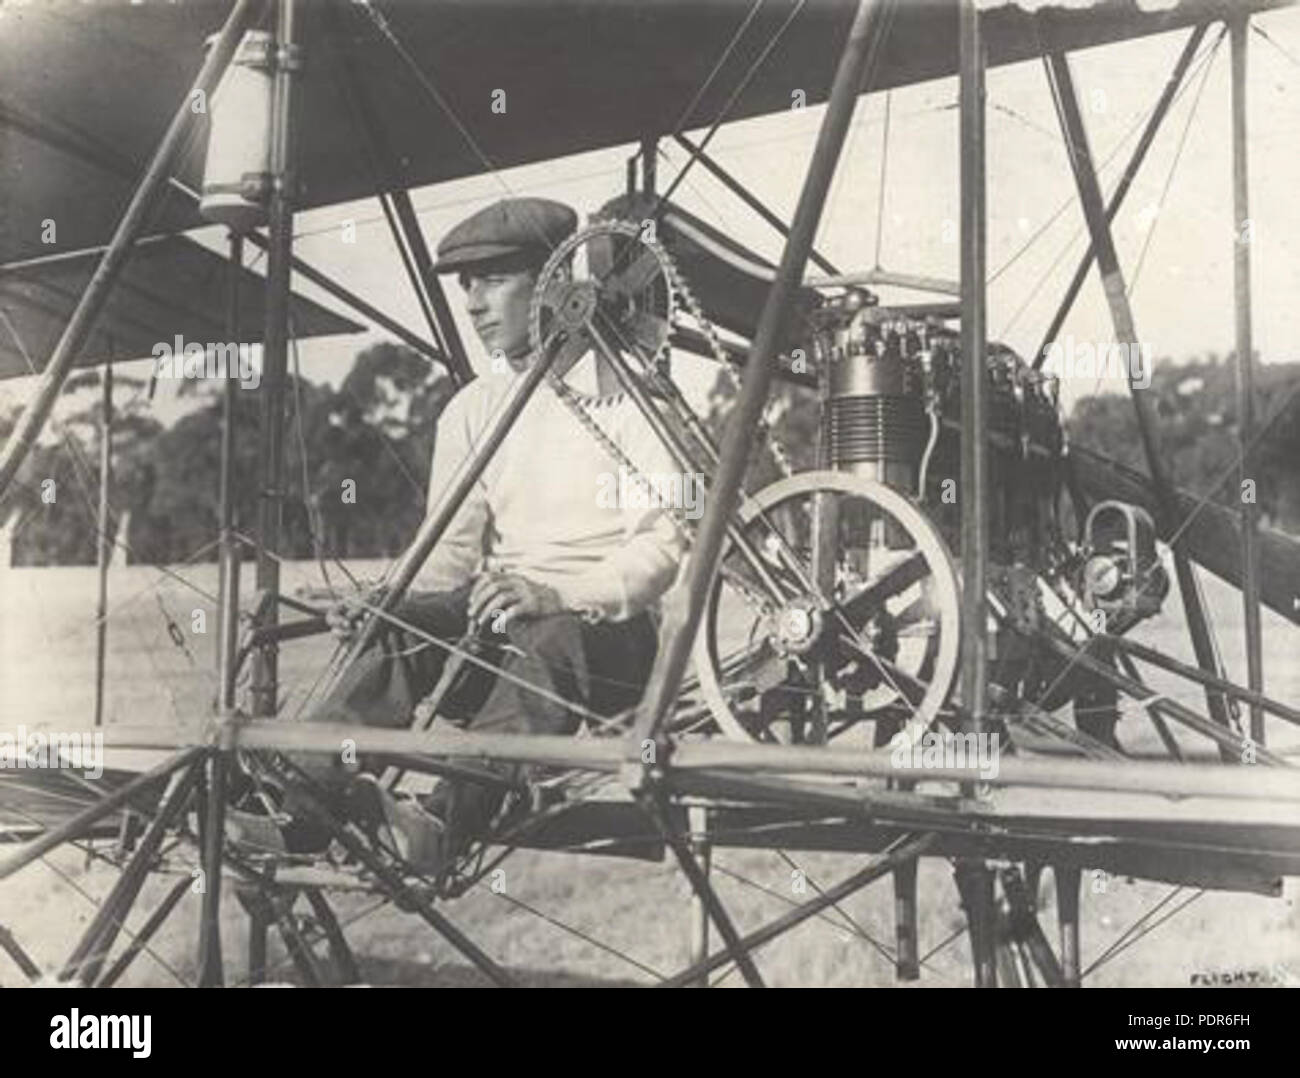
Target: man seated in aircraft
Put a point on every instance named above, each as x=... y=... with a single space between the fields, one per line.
x=558 y=587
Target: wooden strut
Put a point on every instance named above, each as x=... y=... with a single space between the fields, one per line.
x=697 y=819
x=396 y=888
x=907 y=955
x=1242 y=236
x=72 y=829
x=427 y=286
x=133 y=221
x=907 y=852
x=1068 y=878
x=747 y=197
x=275 y=348
x=1157 y=720
x=344 y=960
x=974 y=878
x=145 y=933
x=300 y=951
x=1145 y=141
x=656 y=807
x=915 y=282
x=963 y=826
x=975 y=882
x=96 y=942
x=1011 y=969
x=213 y=812
x=267 y=899
x=351 y=299
x=649 y=158
x=1232 y=744
x=1158 y=658
x=265 y=668
x=1025 y=929
x=974 y=388
x=861 y=50
x=257 y=906
x=1159 y=780
x=267 y=907
x=104 y=547
x=229 y=549
x=1112 y=277
x=21 y=958
x=221 y=760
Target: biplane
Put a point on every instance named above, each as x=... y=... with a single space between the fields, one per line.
x=823 y=619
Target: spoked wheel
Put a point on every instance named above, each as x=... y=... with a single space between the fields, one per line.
x=837 y=606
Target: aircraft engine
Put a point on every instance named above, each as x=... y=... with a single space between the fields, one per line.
x=892 y=400
x=875 y=390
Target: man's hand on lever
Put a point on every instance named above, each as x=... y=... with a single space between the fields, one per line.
x=344 y=619
x=506 y=596
x=344 y=616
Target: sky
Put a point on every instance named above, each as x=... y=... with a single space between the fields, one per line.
x=1174 y=235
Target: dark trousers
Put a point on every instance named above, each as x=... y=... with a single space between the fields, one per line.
x=603 y=667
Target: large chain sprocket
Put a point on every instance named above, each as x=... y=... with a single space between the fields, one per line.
x=626 y=300
x=632 y=274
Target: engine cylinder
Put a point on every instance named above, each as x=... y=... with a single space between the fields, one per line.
x=874 y=415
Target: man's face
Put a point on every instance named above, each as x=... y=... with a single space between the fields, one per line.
x=497 y=299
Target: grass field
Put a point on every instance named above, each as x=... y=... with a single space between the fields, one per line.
x=642 y=910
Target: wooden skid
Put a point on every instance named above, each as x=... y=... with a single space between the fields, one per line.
x=1218 y=856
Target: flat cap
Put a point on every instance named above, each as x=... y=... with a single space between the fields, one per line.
x=511 y=226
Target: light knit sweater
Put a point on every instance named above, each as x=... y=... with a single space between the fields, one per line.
x=535 y=510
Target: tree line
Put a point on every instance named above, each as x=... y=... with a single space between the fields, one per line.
x=356 y=467
x=357 y=458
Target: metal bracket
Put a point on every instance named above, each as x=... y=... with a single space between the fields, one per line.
x=288 y=57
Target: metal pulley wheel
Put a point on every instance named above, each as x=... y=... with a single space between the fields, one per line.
x=876 y=640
